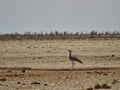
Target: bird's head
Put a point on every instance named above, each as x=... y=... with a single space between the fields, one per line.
x=69 y=50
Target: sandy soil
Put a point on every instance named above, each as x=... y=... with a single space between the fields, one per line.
x=51 y=68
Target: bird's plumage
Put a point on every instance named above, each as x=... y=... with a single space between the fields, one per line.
x=73 y=58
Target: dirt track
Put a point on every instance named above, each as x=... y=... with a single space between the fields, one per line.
x=51 y=68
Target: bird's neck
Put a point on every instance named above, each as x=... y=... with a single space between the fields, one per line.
x=69 y=54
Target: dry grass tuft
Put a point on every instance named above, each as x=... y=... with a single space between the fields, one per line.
x=35 y=83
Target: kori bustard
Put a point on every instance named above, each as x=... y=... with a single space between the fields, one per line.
x=73 y=59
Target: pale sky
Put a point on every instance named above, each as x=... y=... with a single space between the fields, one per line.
x=62 y=15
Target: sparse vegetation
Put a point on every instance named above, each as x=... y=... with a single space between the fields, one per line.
x=3 y=79
x=114 y=81
x=9 y=71
x=46 y=84
x=35 y=83
x=61 y=35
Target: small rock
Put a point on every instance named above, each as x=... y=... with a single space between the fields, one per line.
x=105 y=86
x=89 y=88
x=18 y=82
x=113 y=55
x=87 y=72
x=46 y=84
x=97 y=86
x=23 y=70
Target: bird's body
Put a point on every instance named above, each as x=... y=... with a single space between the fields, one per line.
x=73 y=59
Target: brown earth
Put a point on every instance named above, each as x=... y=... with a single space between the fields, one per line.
x=49 y=67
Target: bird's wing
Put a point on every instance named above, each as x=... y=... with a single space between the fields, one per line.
x=76 y=59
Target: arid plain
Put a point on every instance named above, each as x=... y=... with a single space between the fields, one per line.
x=45 y=65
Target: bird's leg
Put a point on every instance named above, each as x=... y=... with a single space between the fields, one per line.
x=73 y=65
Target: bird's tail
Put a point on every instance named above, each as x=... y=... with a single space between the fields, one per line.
x=79 y=61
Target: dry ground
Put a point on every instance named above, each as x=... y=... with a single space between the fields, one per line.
x=51 y=66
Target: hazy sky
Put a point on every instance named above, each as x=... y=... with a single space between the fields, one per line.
x=62 y=15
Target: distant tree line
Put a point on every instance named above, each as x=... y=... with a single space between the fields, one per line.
x=60 y=35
